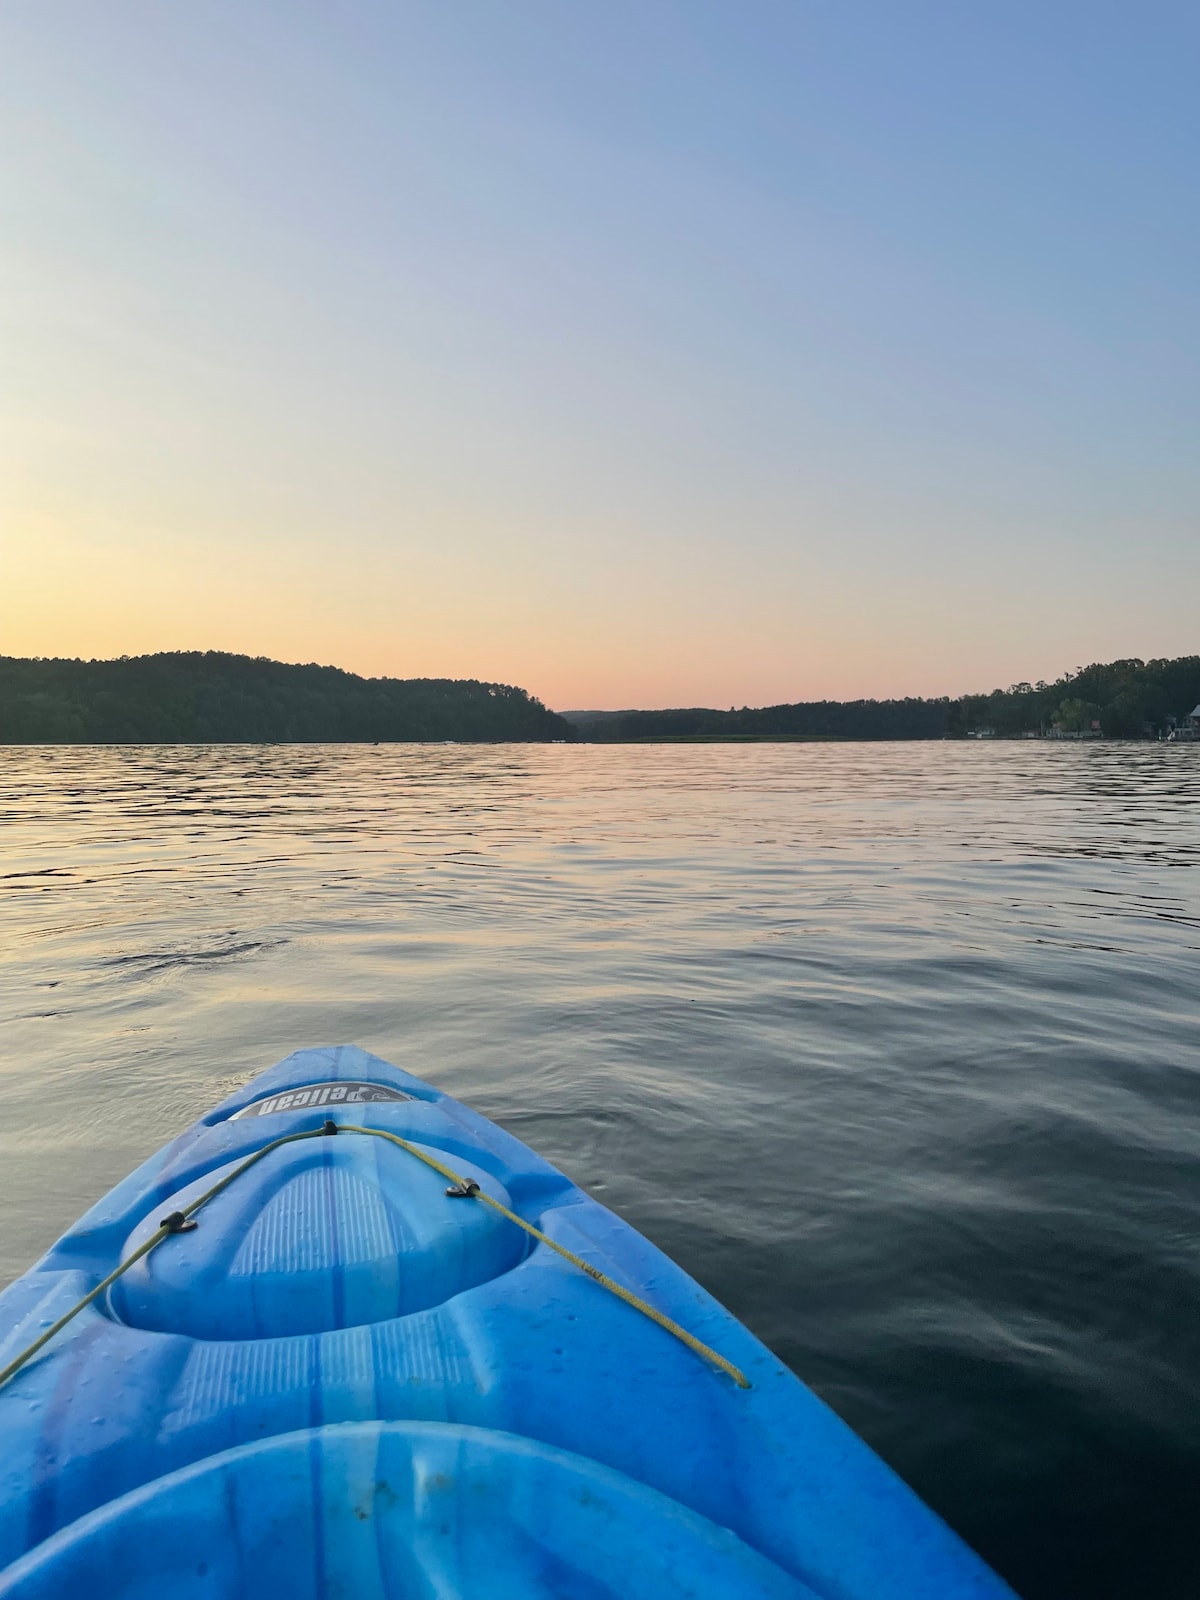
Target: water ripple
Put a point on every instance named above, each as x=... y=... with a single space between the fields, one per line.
x=896 y=1047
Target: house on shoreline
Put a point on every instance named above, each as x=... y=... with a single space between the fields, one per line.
x=1095 y=731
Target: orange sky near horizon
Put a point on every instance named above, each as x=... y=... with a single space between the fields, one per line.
x=702 y=637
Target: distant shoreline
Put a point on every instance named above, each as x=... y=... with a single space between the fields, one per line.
x=212 y=697
x=194 y=697
x=1127 y=699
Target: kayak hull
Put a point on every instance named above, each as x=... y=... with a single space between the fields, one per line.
x=397 y=1509
x=335 y=1307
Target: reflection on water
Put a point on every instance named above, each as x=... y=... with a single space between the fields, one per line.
x=895 y=1047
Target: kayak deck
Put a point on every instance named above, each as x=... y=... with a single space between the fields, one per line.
x=346 y=1380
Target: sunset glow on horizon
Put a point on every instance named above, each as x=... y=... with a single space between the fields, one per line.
x=644 y=356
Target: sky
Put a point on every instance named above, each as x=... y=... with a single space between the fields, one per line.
x=641 y=354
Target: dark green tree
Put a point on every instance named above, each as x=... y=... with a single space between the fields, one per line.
x=194 y=697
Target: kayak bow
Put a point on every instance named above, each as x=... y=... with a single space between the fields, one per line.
x=345 y=1335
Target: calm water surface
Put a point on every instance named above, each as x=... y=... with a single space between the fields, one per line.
x=895 y=1047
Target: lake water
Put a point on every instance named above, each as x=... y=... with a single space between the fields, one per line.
x=895 y=1047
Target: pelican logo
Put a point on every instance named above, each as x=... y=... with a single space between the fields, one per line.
x=320 y=1094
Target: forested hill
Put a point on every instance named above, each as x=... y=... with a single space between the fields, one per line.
x=1130 y=699
x=213 y=697
x=200 y=697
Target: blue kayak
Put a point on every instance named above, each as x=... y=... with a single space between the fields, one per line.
x=365 y=1343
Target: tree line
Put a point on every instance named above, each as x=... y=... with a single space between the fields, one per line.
x=194 y=697
x=200 y=697
x=1129 y=699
